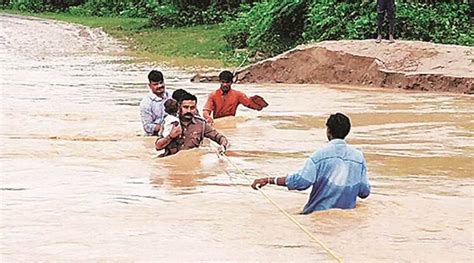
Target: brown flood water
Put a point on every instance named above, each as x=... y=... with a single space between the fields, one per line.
x=80 y=182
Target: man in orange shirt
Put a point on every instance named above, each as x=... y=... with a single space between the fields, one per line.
x=224 y=101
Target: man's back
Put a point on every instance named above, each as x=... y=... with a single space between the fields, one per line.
x=337 y=173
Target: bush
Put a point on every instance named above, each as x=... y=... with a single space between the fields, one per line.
x=125 y=8
x=222 y=5
x=270 y=27
x=172 y=16
x=41 y=5
x=238 y=31
x=275 y=26
x=166 y=15
x=330 y=20
x=446 y=23
x=141 y=8
x=441 y=23
x=29 y=5
x=281 y=29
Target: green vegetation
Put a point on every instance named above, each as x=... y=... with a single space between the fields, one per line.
x=201 y=44
x=217 y=32
x=272 y=27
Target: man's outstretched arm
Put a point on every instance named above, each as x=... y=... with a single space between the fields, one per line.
x=259 y=183
x=251 y=103
x=214 y=135
x=300 y=180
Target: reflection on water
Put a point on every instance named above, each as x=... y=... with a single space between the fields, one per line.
x=78 y=174
x=186 y=170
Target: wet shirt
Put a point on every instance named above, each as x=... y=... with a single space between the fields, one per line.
x=338 y=175
x=152 y=111
x=192 y=135
x=226 y=105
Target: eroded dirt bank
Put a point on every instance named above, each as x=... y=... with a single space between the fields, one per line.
x=410 y=65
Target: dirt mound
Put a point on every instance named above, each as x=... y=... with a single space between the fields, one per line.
x=405 y=64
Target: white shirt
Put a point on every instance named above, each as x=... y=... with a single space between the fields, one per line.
x=168 y=125
x=152 y=111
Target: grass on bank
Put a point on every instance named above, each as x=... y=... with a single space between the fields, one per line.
x=197 y=46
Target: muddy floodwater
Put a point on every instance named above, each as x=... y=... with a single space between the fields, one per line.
x=80 y=181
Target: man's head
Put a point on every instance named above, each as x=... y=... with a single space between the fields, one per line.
x=338 y=126
x=171 y=106
x=156 y=83
x=226 y=77
x=178 y=94
x=187 y=107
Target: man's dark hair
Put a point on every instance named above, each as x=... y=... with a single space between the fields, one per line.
x=339 y=125
x=178 y=94
x=171 y=106
x=226 y=76
x=188 y=96
x=155 y=76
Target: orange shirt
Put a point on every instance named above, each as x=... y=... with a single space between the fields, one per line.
x=226 y=105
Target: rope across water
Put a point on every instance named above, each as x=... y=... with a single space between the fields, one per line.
x=310 y=235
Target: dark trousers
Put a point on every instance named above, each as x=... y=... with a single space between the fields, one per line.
x=386 y=7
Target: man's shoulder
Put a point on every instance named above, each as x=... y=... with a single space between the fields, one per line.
x=171 y=118
x=355 y=153
x=330 y=150
x=319 y=154
x=213 y=93
x=199 y=120
x=145 y=101
x=237 y=92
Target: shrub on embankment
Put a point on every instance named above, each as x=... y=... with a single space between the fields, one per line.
x=274 y=26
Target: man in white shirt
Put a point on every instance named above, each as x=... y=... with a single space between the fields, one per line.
x=152 y=105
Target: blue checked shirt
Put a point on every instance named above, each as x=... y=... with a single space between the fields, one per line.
x=152 y=111
x=338 y=175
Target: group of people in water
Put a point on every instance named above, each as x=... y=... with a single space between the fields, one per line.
x=176 y=121
x=337 y=172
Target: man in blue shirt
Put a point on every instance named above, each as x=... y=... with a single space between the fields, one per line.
x=152 y=111
x=337 y=172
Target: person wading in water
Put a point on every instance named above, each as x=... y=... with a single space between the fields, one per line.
x=337 y=172
x=192 y=130
x=224 y=101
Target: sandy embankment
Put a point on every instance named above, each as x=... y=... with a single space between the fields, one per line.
x=410 y=65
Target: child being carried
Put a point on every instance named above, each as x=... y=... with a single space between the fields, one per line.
x=171 y=120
